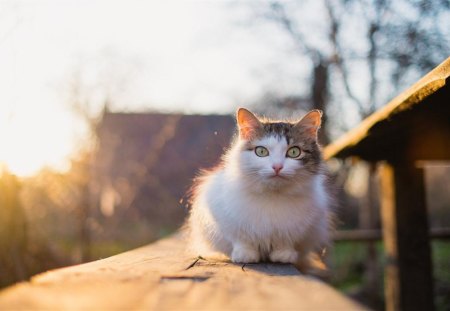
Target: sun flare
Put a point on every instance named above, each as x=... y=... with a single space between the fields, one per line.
x=35 y=139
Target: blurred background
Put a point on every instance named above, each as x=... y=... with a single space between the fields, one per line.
x=108 y=109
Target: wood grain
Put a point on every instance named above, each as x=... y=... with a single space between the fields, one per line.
x=157 y=277
x=409 y=282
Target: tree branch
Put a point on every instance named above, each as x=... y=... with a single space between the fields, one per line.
x=280 y=16
x=337 y=58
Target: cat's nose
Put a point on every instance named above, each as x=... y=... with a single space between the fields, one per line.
x=277 y=168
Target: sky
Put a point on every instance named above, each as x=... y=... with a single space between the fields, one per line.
x=187 y=56
x=184 y=56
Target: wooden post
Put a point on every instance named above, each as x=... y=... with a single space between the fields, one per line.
x=367 y=221
x=408 y=272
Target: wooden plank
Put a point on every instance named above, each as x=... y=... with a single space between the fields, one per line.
x=429 y=84
x=408 y=272
x=388 y=219
x=423 y=131
x=366 y=235
x=359 y=235
x=157 y=277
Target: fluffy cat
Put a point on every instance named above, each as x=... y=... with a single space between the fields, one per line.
x=268 y=200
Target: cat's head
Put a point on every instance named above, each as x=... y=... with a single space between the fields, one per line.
x=279 y=153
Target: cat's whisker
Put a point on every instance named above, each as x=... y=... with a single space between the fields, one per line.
x=268 y=200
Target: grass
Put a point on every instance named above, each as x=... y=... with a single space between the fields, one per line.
x=348 y=260
x=441 y=271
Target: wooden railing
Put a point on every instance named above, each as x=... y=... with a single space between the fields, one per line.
x=162 y=276
x=375 y=235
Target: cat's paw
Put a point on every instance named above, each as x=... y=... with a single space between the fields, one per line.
x=244 y=255
x=285 y=255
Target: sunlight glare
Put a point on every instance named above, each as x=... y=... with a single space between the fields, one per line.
x=33 y=138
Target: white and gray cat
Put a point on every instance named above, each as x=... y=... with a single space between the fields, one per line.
x=268 y=199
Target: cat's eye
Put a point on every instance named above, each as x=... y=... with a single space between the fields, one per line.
x=261 y=151
x=293 y=152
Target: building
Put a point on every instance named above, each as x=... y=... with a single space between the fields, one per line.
x=145 y=164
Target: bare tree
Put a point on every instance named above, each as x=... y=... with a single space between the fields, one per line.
x=370 y=49
x=319 y=91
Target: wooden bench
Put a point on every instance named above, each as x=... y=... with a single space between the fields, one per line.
x=412 y=128
x=161 y=276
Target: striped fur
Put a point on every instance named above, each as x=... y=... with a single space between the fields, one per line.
x=272 y=207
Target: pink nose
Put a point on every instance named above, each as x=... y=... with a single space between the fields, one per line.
x=277 y=168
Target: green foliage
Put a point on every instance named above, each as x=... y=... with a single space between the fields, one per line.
x=441 y=269
x=348 y=264
x=22 y=254
x=12 y=231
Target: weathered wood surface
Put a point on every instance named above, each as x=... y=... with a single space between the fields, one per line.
x=157 y=277
x=411 y=120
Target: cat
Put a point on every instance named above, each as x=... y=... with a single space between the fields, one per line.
x=268 y=200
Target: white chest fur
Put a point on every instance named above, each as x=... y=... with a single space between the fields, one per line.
x=235 y=213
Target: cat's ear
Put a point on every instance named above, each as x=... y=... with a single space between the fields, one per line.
x=248 y=124
x=310 y=123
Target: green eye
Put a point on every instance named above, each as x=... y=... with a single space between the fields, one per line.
x=293 y=152
x=261 y=151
